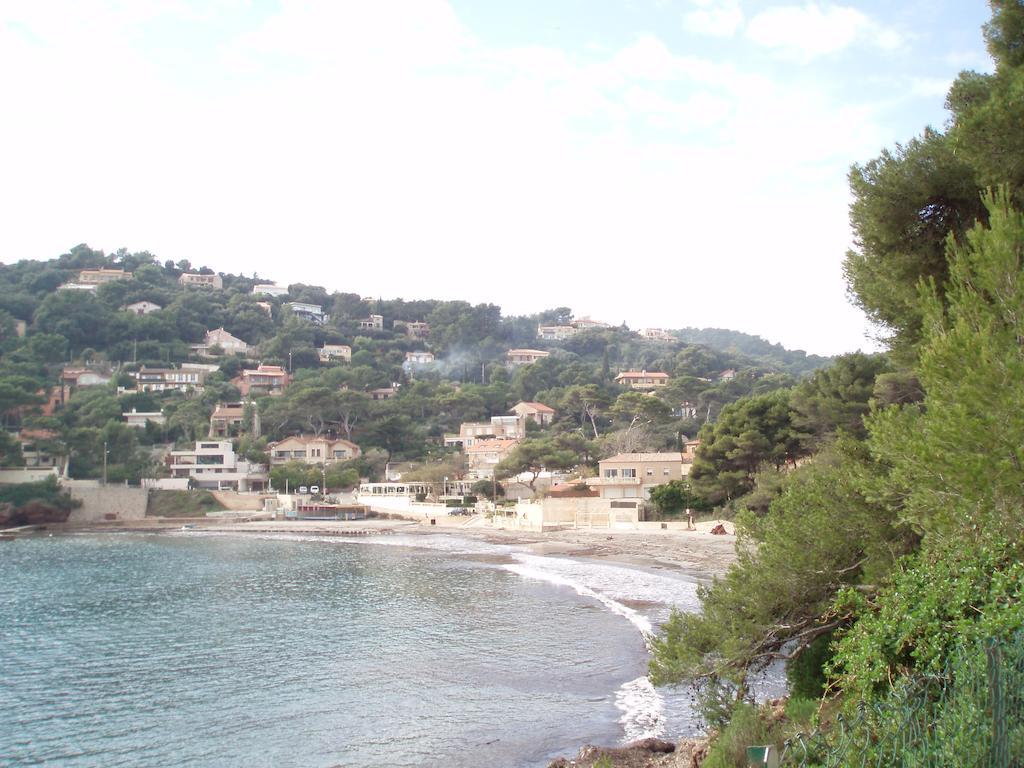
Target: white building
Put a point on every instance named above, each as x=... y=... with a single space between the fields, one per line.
x=270 y=289
x=143 y=308
x=312 y=312
x=213 y=464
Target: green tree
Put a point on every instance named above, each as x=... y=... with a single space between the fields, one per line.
x=535 y=456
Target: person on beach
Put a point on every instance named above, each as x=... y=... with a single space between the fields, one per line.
x=689 y=520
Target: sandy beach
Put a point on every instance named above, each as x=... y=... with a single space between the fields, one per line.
x=698 y=554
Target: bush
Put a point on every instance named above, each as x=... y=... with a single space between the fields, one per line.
x=747 y=728
x=805 y=673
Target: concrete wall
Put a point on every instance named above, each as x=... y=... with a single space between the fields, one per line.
x=113 y=502
x=404 y=506
x=551 y=514
x=17 y=475
x=242 y=502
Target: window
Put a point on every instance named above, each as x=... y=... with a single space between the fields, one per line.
x=611 y=473
x=650 y=472
x=629 y=472
x=665 y=471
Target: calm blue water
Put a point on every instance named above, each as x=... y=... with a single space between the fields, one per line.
x=202 y=650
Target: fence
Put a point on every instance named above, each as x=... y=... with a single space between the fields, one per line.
x=970 y=715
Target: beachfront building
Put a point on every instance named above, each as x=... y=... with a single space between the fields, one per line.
x=642 y=380
x=213 y=464
x=194 y=279
x=633 y=475
x=517 y=357
x=312 y=450
x=329 y=352
x=538 y=413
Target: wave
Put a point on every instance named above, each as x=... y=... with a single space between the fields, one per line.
x=642 y=708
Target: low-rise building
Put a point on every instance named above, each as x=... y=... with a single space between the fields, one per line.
x=517 y=357
x=102 y=275
x=84 y=377
x=312 y=450
x=138 y=419
x=417 y=329
x=555 y=332
x=633 y=475
x=269 y=289
x=36 y=448
x=587 y=324
x=218 y=337
x=501 y=427
x=314 y=313
x=264 y=380
x=656 y=334
x=202 y=281
x=91 y=287
x=484 y=455
x=168 y=379
x=727 y=375
x=228 y=420
x=383 y=393
x=143 y=308
x=214 y=464
x=414 y=360
x=330 y=352
x=372 y=323
x=538 y=413
x=642 y=379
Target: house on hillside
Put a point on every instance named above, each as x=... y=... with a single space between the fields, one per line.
x=383 y=393
x=202 y=281
x=142 y=308
x=587 y=324
x=228 y=420
x=265 y=380
x=101 y=276
x=642 y=380
x=330 y=352
x=484 y=455
x=555 y=332
x=138 y=419
x=314 y=313
x=656 y=334
x=372 y=323
x=168 y=379
x=517 y=357
x=538 y=413
x=727 y=375
x=633 y=475
x=417 y=329
x=312 y=450
x=269 y=289
x=231 y=345
x=500 y=427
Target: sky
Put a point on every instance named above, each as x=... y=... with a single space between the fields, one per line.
x=655 y=162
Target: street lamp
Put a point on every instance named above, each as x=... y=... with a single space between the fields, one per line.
x=105 y=462
x=444 y=492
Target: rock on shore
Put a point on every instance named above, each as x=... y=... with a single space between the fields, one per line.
x=645 y=753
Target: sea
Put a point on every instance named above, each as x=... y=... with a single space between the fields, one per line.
x=203 y=649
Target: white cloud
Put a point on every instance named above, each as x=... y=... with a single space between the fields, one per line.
x=714 y=18
x=812 y=30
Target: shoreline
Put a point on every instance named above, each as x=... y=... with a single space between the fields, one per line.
x=698 y=555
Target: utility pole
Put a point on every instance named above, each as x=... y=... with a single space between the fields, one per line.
x=104 y=462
